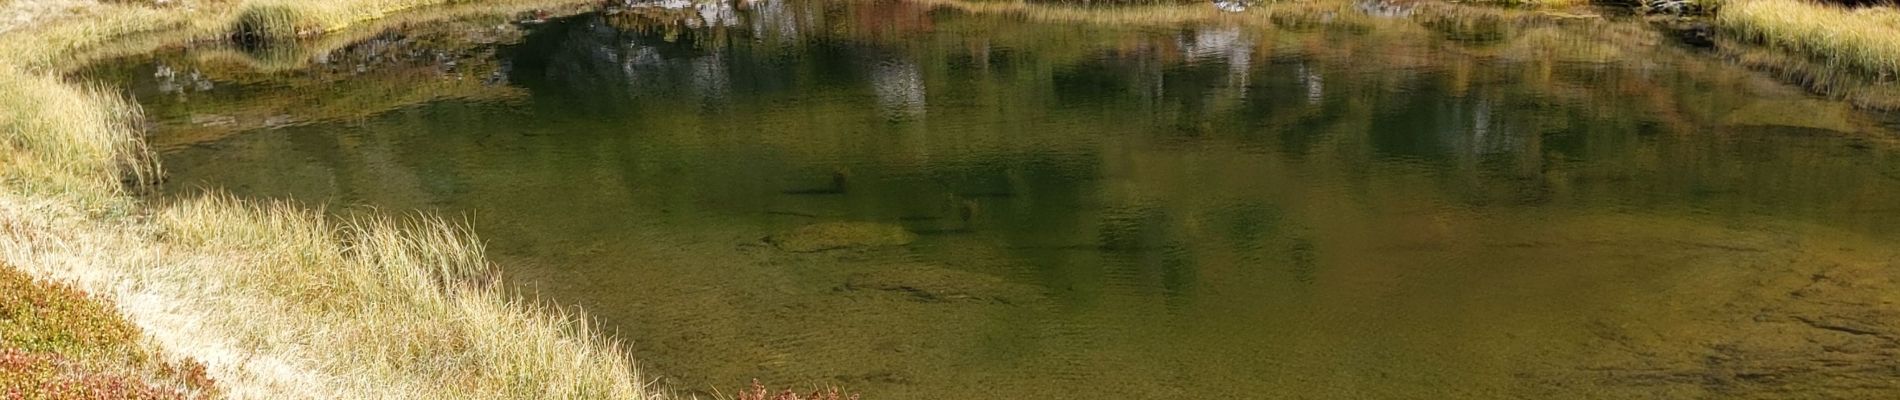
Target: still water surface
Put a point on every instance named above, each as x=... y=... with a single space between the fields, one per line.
x=987 y=200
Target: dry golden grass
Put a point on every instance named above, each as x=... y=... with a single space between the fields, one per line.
x=407 y=308
x=1863 y=39
x=282 y=301
x=68 y=140
x=62 y=34
x=1863 y=90
x=277 y=300
x=302 y=53
x=57 y=31
x=277 y=19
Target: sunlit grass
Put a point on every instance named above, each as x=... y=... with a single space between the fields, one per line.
x=77 y=31
x=280 y=19
x=54 y=38
x=69 y=140
x=287 y=299
x=401 y=306
x=1861 y=89
x=1863 y=39
x=302 y=53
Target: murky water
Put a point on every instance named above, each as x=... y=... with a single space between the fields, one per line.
x=991 y=200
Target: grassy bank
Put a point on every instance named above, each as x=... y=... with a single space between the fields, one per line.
x=1858 y=38
x=276 y=300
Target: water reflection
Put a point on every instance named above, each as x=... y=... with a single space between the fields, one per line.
x=1369 y=204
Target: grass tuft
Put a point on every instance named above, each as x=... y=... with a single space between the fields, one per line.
x=274 y=20
x=277 y=20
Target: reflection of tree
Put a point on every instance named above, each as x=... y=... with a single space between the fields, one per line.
x=900 y=89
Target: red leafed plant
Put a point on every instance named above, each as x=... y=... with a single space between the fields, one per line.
x=759 y=392
x=52 y=376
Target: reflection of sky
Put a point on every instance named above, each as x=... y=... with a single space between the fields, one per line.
x=1468 y=130
x=900 y=89
x=1314 y=82
x=773 y=19
x=1223 y=44
x=711 y=78
x=708 y=13
x=1385 y=8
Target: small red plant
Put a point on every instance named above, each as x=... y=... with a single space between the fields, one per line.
x=51 y=376
x=759 y=392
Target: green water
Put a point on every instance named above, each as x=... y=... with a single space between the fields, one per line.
x=1064 y=203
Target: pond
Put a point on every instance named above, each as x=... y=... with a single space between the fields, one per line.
x=941 y=199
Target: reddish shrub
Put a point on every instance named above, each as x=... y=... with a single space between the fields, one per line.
x=58 y=343
x=53 y=377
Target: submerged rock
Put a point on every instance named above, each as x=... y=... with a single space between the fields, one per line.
x=938 y=284
x=841 y=235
